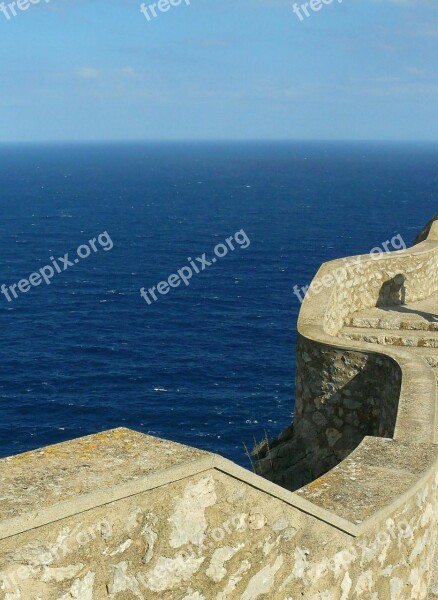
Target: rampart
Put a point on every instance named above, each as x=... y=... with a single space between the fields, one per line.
x=347 y=503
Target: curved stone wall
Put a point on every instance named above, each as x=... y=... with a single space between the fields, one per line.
x=347 y=389
x=363 y=284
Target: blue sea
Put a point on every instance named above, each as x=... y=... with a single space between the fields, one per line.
x=210 y=364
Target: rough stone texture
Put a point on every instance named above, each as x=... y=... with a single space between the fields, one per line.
x=345 y=393
x=415 y=317
x=48 y=476
x=337 y=404
x=389 y=280
x=292 y=555
x=354 y=487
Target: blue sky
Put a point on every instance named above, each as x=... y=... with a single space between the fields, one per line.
x=220 y=69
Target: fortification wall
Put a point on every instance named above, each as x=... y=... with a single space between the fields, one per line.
x=120 y=515
x=345 y=389
x=159 y=520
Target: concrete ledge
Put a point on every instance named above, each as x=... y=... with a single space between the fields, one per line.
x=56 y=482
x=349 y=498
x=34 y=500
x=374 y=481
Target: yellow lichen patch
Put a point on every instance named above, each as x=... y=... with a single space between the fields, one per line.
x=318 y=485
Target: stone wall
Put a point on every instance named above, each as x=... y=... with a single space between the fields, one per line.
x=337 y=404
x=407 y=274
x=220 y=533
x=343 y=391
x=120 y=515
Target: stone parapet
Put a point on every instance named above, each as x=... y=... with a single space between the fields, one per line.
x=346 y=506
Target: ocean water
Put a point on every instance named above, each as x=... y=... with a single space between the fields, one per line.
x=210 y=364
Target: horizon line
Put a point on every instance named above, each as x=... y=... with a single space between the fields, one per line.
x=116 y=141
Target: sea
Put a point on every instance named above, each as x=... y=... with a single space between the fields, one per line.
x=210 y=364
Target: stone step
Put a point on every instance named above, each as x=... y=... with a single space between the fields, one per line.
x=421 y=316
x=380 y=319
x=422 y=339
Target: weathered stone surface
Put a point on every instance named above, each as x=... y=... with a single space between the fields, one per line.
x=188 y=520
x=43 y=478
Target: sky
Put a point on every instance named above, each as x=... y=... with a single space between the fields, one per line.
x=99 y=70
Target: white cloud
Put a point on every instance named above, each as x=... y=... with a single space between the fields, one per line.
x=92 y=73
x=88 y=73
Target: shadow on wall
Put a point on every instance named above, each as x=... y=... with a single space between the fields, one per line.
x=342 y=396
x=392 y=292
x=392 y=298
